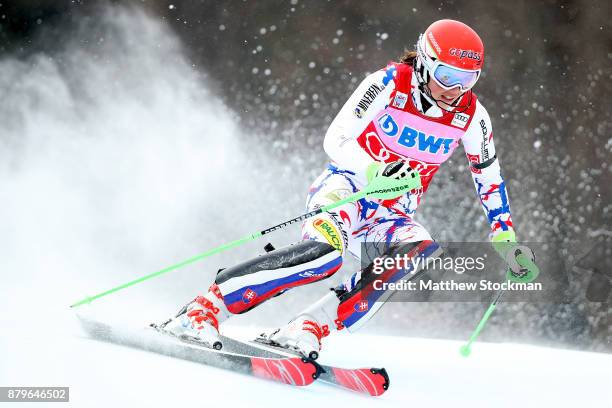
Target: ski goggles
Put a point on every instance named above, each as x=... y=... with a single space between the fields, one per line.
x=447 y=76
x=450 y=77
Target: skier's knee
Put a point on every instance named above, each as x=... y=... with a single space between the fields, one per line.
x=250 y=283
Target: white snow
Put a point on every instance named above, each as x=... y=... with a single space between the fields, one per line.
x=423 y=372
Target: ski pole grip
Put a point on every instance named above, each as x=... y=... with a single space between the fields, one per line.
x=528 y=264
x=532 y=270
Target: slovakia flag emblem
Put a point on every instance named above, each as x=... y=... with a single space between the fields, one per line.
x=361 y=306
x=248 y=296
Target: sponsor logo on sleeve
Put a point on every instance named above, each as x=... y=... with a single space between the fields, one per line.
x=400 y=100
x=484 y=145
x=474 y=159
x=366 y=100
x=483 y=126
x=460 y=120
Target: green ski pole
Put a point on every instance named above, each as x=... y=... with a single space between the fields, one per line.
x=466 y=349
x=383 y=188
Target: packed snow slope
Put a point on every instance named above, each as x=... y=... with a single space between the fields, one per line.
x=423 y=372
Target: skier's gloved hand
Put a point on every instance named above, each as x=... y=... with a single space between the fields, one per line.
x=391 y=180
x=519 y=258
x=398 y=169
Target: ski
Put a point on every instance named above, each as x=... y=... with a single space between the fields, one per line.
x=298 y=371
x=370 y=381
x=257 y=360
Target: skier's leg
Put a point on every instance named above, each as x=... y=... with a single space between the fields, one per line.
x=244 y=286
x=389 y=235
x=250 y=283
x=305 y=331
x=317 y=257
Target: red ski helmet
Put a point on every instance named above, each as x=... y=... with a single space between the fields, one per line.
x=451 y=53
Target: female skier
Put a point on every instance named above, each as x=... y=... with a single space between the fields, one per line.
x=409 y=116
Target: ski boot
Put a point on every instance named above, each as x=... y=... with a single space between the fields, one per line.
x=198 y=322
x=302 y=335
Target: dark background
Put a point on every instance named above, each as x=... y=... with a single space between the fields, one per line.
x=286 y=67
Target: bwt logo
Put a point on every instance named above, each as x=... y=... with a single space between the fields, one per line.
x=412 y=137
